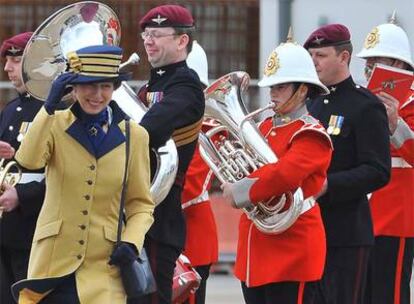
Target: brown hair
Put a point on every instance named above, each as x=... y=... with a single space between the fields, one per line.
x=344 y=47
x=189 y=31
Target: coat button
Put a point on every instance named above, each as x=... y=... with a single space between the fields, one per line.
x=326 y=101
x=11 y=128
x=89 y=182
x=85 y=212
x=81 y=242
x=92 y=167
x=79 y=256
x=87 y=197
x=18 y=109
x=83 y=227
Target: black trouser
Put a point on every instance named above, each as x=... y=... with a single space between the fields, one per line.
x=345 y=275
x=200 y=295
x=13 y=268
x=162 y=258
x=390 y=270
x=64 y=293
x=280 y=293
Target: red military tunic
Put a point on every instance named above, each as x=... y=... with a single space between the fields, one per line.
x=392 y=207
x=201 y=244
x=298 y=254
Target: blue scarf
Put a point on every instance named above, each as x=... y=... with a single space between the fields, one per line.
x=93 y=125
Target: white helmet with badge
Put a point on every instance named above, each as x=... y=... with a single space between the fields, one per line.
x=197 y=60
x=387 y=40
x=290 y=62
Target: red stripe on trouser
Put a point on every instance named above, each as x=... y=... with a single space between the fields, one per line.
x=192 y=298
x=300 y=292
x=398 y=271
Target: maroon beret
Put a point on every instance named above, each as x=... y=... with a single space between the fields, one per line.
x=15 y=45
x=328 y=35
x=88 y=11
x=167 y=16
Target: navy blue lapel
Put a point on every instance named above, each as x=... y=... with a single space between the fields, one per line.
x=113 y=138
x=78 y=132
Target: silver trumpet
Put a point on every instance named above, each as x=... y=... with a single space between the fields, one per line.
x=80 y=25
x=242 y=150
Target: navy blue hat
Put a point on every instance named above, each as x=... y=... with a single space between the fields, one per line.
x=97 y=63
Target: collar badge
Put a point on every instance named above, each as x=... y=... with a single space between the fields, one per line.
x=160 y=72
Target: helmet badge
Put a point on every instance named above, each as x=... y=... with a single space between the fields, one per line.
x=272 y=64
x=372 y=38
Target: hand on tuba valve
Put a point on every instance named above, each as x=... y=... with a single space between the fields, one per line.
x=8 y=178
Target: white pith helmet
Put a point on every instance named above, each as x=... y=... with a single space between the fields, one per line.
x=387 y=40
x=197 y=60
x=290 y=62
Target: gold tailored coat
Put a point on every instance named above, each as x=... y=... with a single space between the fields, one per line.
x=76 y=228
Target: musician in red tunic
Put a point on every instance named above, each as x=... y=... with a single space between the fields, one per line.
x=392 y=207
x=282 y=268
x=195 y=200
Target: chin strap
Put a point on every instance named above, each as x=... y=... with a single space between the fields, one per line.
x=293 y=101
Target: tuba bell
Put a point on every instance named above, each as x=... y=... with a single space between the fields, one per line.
x=7 y=177
x=80 y=25
x=243 y=150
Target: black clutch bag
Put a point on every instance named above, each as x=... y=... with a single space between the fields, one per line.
x=137 y=277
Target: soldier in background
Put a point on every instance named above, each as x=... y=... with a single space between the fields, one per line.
x=360 y=165
x=195 y=198
x=20 y=204
x=392 y=207
x=176 y=101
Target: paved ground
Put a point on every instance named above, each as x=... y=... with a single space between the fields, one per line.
x=225 y=289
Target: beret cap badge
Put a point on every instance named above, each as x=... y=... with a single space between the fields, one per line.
x=272 y=64
x=372 y=38
x=159 y=19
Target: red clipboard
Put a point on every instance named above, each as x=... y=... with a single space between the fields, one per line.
x=394 y=81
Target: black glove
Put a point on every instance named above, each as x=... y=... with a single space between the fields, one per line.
x=125 y=253
x=57 y=91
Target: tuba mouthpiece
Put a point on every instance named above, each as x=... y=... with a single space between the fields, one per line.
x=132 y=60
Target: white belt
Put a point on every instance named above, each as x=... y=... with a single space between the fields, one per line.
x=308 y=204
x=398 y=162
x=197 y=200
x=31 y=177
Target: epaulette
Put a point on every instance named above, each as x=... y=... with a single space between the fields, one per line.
x=311 y=124
x=309 y=119
x=363 y=91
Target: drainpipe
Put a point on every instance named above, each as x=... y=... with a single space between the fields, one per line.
x=285 y=18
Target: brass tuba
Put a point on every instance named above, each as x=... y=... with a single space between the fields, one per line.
x=243 y=150
x=80 y=25
x=7 y=177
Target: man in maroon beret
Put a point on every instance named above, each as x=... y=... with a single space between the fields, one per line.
x=360 y=164
x=175 y=96
x=12 y=49
x=21 y=204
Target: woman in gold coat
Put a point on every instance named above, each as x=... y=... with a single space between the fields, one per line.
x=83 y=149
